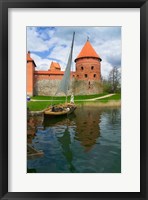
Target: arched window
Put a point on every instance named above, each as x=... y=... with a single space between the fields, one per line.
x=85 y=75
x=94 y=75
x=92 y=67
x=82 y=68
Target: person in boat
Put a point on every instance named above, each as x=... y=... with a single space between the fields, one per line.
x=56 y=109
x=72 y=98
x=67 y=109
x=53 y=109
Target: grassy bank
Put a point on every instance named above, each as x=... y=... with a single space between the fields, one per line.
x=111 y=103
x=62 y=98
x=37 y=106
x=39 y=103
x=115 y=97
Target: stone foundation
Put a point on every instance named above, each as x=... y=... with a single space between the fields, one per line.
x=77 y=87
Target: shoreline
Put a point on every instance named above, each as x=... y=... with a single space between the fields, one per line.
x=111 y=103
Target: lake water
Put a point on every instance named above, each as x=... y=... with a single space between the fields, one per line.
x=87 y=141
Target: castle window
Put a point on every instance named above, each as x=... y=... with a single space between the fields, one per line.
x=92 y=67
x=82 y=68
x=89 y=84
x=94 y=75
x=85 y=75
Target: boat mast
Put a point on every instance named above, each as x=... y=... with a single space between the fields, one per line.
x=63 y=87
x=70 y=59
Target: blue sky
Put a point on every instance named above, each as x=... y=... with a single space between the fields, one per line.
x=48 y=44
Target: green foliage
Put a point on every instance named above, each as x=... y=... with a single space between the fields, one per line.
x=106 y=86
x=112 y=84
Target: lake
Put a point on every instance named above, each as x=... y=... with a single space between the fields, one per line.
x=87 y=141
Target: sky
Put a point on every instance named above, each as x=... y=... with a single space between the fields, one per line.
x=48 y=44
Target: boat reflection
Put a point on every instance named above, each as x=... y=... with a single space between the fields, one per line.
x=65 y=141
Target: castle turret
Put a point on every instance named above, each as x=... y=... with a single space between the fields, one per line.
x=30 y=74
x=88 y=64
x=55 y=66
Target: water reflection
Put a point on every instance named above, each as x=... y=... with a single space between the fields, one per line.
x=87 y=127
x=34 y=122
x=87 y=141
x=65 y=141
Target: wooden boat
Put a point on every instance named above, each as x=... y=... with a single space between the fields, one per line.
x=66 y=108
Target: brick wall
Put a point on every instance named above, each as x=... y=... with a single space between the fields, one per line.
x=30 y=78
x=88 y=69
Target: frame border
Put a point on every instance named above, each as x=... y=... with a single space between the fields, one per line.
x=4 y=6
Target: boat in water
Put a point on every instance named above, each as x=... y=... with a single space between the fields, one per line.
x=65 y=108
x=62 y=109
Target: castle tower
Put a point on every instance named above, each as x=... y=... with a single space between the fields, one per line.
x=55 y=66
x=30 y=74
x=88 y=64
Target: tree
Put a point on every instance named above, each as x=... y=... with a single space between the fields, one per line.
x=115 y=79
x=113 y=82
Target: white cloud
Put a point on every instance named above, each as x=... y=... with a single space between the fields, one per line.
x=34 y=42
x=105 y=68
x=41 y=64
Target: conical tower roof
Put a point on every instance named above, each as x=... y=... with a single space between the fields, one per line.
x=29 y=59
x=88 y=51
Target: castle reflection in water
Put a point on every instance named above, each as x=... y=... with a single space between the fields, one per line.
x=83 y=127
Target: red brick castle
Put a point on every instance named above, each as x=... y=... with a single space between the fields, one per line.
x=85 y=80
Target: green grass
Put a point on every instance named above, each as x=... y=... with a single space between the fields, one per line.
x=37 y=106
x=41 y=105
x=62 y=98
x=115 y=97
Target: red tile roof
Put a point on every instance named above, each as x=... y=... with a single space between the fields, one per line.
x=29 y=59
x=88 y=51
x=55 y=66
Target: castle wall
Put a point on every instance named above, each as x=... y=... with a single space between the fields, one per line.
x=48 y=75
x=46 y=87
x=87 y=87
x=30 y=78
x=77 y=87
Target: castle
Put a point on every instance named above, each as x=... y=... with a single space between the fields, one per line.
x=85 y=80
